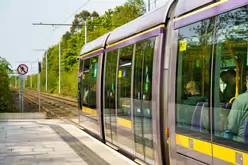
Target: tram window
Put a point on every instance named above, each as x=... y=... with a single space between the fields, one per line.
x=142 y=96
x=144 y=49
x=90 y=73
x=231 y=102
x=124 y=82
x=193 y=78
x=80 y=84
x=85 y=82
x=110 y=79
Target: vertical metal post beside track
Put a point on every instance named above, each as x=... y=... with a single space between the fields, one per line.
x=23 y=89
x=149 y=5
x=15 y=82
x=60 y=68
x=31 y=78
x=86 y=32
x=46 y=72
x=39 y=89
x=21 y=95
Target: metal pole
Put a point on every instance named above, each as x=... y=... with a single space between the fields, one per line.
x=31 y=78
x=20 y=96
x=23 y=90
x=59 y=68
x=39 y=89
x=149 y=3
x=86 y=32
x=46 y=72
x=155 y=3
x=15 y=82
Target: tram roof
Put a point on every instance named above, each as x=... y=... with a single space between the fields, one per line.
x=185 y=6
x=94 y=45
x=140 y=24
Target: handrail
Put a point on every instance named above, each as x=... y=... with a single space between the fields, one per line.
x=232 y=100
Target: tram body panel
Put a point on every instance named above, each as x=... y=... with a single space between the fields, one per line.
x=90 y=99
x=139 y=93
x=208 y=143
x=133 y=115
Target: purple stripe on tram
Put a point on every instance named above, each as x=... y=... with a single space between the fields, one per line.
x=230 y=5
x=137 y=39
x=93 y=55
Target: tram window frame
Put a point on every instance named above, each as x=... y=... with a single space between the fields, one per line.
x=184 y=48
x=80 y=83
x=222 y=24
x=90 y=82
x=120 y=112
x=110 y=90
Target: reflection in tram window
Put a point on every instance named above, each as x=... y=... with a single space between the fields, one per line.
x=193 y=77
x=124 y=83
x=109 y=99
x=142 y=96
x=231 y=118
x=85 y=87
x=90 y=73
x=124 y=76
x=80 y=84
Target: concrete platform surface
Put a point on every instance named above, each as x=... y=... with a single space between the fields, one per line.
x=52 y=142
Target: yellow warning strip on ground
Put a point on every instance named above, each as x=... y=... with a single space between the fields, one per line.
x=124 y=122
x=140 y=34
x=201 y=10
x=90 y=111
x=223 y=153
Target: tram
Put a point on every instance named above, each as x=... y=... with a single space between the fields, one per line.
x=170 y=87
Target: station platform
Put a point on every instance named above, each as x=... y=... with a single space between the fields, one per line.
x=52 y=142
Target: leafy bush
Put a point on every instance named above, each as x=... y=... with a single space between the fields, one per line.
x=6 y=98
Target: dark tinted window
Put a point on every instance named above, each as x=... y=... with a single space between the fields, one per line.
x=230 y=85
x=193 y=77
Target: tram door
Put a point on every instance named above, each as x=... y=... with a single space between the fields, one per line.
x=142 y=96
x=109 y=97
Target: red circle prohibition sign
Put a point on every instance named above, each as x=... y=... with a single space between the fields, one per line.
x=22 y=69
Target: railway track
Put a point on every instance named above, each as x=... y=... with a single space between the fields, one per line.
x=56 y=107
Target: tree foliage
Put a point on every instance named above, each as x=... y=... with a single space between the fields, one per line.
x=6 y=100
x=73 y=41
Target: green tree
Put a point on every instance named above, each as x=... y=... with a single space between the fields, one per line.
x=6 y=100
x=73 y=41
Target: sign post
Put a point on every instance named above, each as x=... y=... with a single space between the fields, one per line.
x=22 y=70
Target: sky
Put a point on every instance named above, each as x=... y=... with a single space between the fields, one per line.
x=19 y=38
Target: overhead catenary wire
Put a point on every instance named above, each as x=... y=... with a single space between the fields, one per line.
x=76 y=11
x=55 y=28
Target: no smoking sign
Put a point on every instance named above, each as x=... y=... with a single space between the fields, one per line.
x=22 y=69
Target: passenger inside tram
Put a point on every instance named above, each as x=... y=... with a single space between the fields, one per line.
x=228 y=77
x=238 y=116
x=195 y=95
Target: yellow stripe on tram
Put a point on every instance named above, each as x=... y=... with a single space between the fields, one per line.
x=140 y=34
x=85 y=55
x=199 y=146
x=201 y=10
x=90 y=111
x=219 y=152
x=229 y=155
x=124 y=122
